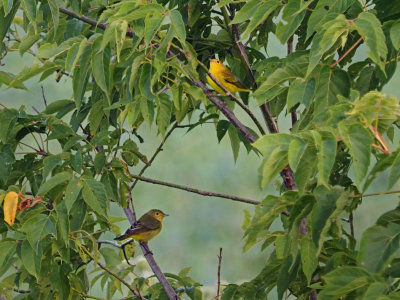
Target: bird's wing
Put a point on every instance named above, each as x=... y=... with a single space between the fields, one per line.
x=139 y=228
x=230 y=78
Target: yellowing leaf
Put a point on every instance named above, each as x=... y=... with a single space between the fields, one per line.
x=10 y=207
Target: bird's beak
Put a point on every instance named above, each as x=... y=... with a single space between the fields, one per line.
x=165 y=215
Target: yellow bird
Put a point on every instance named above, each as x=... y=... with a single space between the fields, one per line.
x=148 y=226
x=225 y=77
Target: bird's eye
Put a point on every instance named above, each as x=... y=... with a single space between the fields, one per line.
x=157 y=213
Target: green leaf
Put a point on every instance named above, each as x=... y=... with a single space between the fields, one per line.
x=222 y=129
x=259 y=14
x=72 y=192
x=152 y=24
x=379 y=245
x=147 y=110
x=297 y=147
x=110 y=256
x=370 y=28
x=177 y=24
x=56 y=106
x=27 y=41
x=332 y=36
x=164 y=111
x=29 y=7
x=37 y=228
x=272 y=165
x=49 y=163
x=359 y=141
x=235 y=141
x=306 y=167
x=300 y=91
x=57 y=179
x=395 y=34
x=81 y=74
x=95 y=196
x=31 y=260
x=294 y=67
x=309 y=259
x=271 y=141
x=145 y=82
x=293 y=14
x=248 y=10
x=7 y=252
x=74 y=54
x=327 y=209
x=55 y=14
x=344 y=280
x=49 y=50
x=6 y=18
x=375 y=291
x=330 y=84
x=8 y=117
x=101 y=65
x=394 y=173
x=63 y=222
x=144 y=10
x=326 y=146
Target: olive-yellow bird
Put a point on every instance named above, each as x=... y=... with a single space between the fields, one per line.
x=225 y=77
x=148 y=226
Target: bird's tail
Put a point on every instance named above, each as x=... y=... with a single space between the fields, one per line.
x=121 y=237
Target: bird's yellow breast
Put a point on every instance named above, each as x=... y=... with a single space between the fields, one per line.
x=146 y=235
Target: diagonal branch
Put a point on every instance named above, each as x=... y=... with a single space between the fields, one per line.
x=194 y=190
x=286 y=173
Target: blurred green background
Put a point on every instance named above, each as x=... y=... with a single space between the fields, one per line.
x=198 y=226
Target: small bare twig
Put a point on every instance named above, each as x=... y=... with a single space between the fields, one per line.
x=44 y=96
x=347 y=52
x=194 y=190
x=351 y=224
x=219 y=272
x=140 y=295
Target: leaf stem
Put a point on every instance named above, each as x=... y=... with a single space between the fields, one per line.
x=347 y=52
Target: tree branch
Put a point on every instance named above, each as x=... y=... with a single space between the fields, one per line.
x=219 y=273
x=82 y=18
x=194 y=190
x=286 y=173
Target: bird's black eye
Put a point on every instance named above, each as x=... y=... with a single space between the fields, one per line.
x=157 y=213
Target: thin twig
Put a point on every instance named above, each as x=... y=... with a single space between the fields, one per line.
x=351 y=224
x=219 y=272
x=82 y=18
x=375 y=194
x=44 y=96
x=110 y=271
x=289 y=51
x=140 y=295
x=158 y=150
x=347 y=52
x=380 y=139
x=21 y=291
x=194 y=190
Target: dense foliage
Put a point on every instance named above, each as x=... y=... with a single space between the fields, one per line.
x=144 y=63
